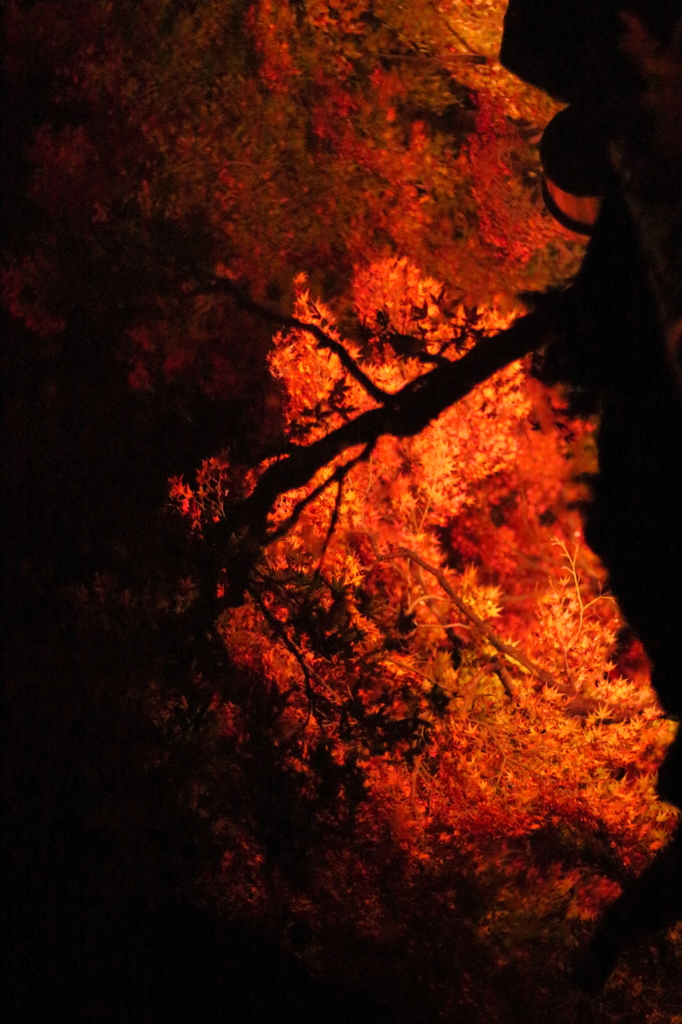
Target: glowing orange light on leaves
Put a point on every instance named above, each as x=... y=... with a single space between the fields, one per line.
x=473 y=689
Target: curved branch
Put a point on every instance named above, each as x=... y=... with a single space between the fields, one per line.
x=279 y=630
x=402 y=414
x=293 y=323
x=338 y=476
x=579 y=706
x=482 y=627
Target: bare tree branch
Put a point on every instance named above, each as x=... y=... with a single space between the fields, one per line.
x=344 y=471
x=338 y=476
x=402 y=414
x=448 y=58
x=482 y=627
x=579 y=706
x=506 y=679
x=293 y=323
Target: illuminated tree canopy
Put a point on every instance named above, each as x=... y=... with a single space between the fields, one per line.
x=311 y=662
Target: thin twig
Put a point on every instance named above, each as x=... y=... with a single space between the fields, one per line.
x=298 y=509
x=339 y=474
x=464 y=43
x=293 y=323
x=279 y=629
x=483 y=671
x=579 y=706
x=332 y=524
x=482 y=627
x=422 y=675
x=403 y=414
x=505 y=679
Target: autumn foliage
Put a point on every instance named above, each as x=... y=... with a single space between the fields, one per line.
x=437 y=645
x=425 y=736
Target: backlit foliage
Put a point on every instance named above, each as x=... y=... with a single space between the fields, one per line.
x=420 y=715
x=386 y=621
x=272 y=136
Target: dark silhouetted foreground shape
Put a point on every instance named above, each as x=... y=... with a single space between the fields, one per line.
x=609 y=345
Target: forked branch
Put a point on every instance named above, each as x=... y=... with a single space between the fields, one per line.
x=402 y=414
x=323 y=339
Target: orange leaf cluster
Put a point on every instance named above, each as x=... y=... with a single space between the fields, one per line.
x=433 y=622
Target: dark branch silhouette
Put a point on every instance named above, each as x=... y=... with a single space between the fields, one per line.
x=403 y=414
x=483 y=628
x=324 y=340
x=338 y=476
